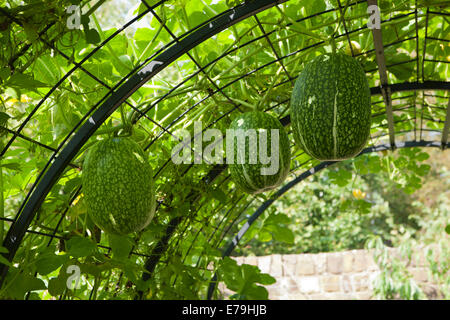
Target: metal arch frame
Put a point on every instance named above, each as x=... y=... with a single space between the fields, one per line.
x=325 y=164
x=119 y=96
x=228 y=18
x=446 y=129
x=217 y=170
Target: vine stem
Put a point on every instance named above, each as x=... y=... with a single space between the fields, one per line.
x=333 y=44
x=299 y=28
x=127 y=127
x=135 y=113
x=97 y=280
x=95 y=7
x=264 y=98
x=108 y=46
x=332 y=40
x=245 y=103
x=150 y=44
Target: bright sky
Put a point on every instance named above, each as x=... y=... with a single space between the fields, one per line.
x=115 y=13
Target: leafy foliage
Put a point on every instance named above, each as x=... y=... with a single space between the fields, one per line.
x=394 y=281
x=331 y=212
x=244 y=280
x=52 y=78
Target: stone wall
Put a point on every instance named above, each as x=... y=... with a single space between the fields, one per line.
x=343 y=275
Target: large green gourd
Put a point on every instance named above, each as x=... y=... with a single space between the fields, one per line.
x=118 y=186
x=248 y=176
x=330 y=108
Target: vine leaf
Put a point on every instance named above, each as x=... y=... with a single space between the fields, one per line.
x=313 y=7
x=31 y=33
x=142 y=7
x=56 y=286
x=49 y=261
x=340 y=177
x=243 y=279
x=24 y=283
x=20 y=80
x=11 y=166
x=4 y=117
x=80 y=247
x=4 y=73
x=92 y=36
x=2 y=258
x=219 y=195
x=276 y=225
x=121 y=246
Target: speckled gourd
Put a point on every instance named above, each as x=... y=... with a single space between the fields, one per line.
x=118 y=186
x=330 y=108
x=247 y=176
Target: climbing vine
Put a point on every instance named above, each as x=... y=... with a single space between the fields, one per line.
x=52 y=77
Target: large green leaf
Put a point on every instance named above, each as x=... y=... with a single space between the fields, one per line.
x=24 y=81
x=341 y=177
x=24 y=283
x=48 y=262
x=92 y=36
x=120 y=245
x=80 y=247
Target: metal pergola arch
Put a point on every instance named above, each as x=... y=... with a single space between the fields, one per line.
x=69 y=148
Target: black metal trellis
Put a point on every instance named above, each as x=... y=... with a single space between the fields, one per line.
x=446 y=129
x=118 y=94
x=17 y=230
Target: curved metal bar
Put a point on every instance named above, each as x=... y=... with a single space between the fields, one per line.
x=294 y=182
x=224 y=20
x=410 y=86
x=17 y=230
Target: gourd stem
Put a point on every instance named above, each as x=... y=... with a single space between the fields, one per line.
x=333 y=45
x=126 y=125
